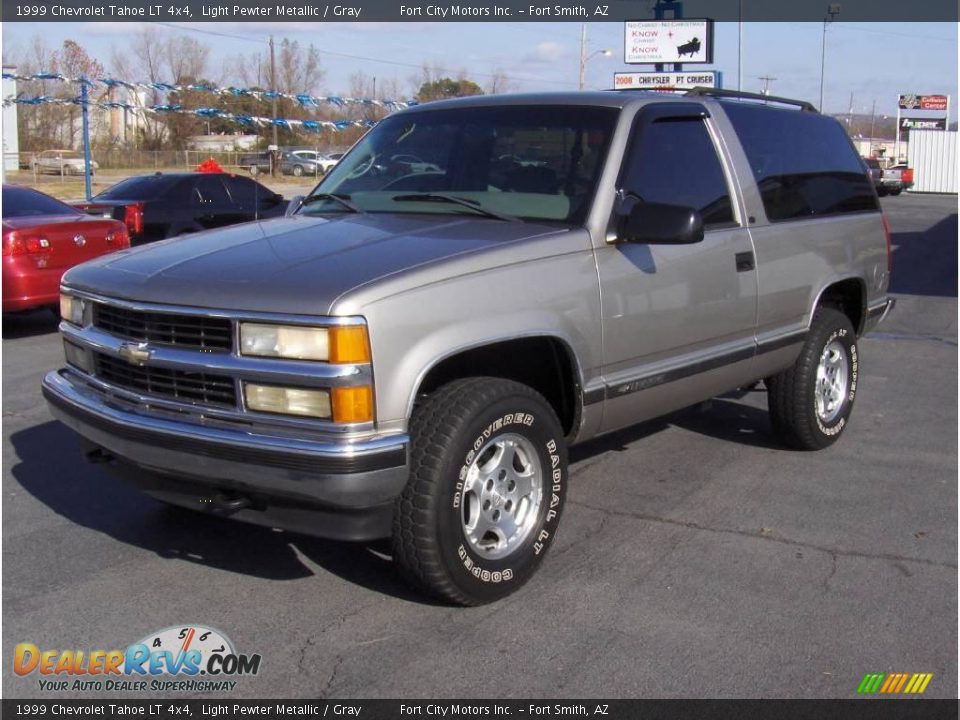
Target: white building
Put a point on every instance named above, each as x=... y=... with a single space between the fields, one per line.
x=11 y=135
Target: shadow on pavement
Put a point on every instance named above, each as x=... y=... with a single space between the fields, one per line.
x=29 y=323
x=925 y=263
x=90 y=496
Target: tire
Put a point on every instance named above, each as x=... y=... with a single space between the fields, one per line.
x=897 y=191
x=254 y=169
x=805 y=414
x=458 y=433
x=297 y=171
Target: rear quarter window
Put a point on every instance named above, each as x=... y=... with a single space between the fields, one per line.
x=804 y=164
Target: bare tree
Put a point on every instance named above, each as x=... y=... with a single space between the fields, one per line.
x=186 y=58
x=500 y=82
x=298 y=68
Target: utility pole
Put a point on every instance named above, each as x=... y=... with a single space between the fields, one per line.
x=740 y=47
x=766 y=83
x=583 y=55
x=832 y=10
x=273 y=87
x=873 y=122
x=85 y=99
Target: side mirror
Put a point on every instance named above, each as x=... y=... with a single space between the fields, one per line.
x=661 y=224
x=295 y=202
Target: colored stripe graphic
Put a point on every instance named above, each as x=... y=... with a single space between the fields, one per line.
x=870 y=683
x=894 y=683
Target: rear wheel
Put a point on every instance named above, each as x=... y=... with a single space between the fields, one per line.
x=487 y=485
x=297 y=171
x=810 y=403
x=897 y=191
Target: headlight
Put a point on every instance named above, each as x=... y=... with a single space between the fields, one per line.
x=71 y=309
x=338 y=344
x=341 y=404
x=288 y=401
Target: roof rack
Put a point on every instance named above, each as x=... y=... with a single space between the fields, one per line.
x=717 y=92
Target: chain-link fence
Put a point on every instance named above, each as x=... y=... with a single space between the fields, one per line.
x=42 y=167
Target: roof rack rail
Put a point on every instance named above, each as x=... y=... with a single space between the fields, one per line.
x=718 y=92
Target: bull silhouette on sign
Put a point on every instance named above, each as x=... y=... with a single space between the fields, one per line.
x=691 y=48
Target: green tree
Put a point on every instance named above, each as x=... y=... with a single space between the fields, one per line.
x=445 y=87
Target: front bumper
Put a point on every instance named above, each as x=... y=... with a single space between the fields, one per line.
x=332 y=489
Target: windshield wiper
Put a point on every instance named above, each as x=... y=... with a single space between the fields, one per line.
x=453 y=199
x=342 y=199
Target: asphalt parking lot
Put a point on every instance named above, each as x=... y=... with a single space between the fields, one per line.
x=696 y=557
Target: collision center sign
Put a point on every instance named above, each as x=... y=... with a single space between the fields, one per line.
x=923 y=102
x=664 y=80
x=668 y=41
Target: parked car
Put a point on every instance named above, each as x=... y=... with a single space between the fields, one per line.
x=154 y=207
x=42 y=238
x=391 y=362
x=305 y=162
x=255 y=163
x=62 y=162
x=896 y=179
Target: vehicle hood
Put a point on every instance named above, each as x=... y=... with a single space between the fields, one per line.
x=298 y=264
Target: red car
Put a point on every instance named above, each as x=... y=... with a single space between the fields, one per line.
x=42 y=239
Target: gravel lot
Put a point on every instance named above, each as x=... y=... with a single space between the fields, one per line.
x=696 y=559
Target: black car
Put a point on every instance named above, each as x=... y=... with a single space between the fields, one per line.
x=154 y=207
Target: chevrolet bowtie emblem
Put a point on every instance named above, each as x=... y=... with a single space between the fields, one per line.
x=135 y=353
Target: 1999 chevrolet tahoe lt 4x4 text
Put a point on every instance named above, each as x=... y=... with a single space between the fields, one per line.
x=477 y=285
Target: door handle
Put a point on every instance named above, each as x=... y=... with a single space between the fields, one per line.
x=745 y=261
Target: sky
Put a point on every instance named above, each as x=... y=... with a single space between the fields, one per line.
x=865 y=62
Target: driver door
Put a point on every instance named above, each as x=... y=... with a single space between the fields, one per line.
x=678 y=320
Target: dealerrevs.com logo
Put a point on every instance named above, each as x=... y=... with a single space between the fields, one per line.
x=181 y=658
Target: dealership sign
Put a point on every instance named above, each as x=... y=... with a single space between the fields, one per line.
x=923 y=102
x=664 y=80
x=668 y=41
x=913 y=123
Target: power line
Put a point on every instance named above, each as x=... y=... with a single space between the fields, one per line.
x=841 y=26
x=395 y=63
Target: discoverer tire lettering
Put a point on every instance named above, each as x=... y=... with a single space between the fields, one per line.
x=449 y=427
x=792 y=394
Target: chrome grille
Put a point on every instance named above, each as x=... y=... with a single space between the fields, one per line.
x=187 y=331
x=194 y=387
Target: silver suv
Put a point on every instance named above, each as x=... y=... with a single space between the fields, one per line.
x=411 y=352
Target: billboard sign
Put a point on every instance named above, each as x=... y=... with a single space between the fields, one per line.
x=668 y=41
x=914 y=123
x=923 y=102
x=664 y=80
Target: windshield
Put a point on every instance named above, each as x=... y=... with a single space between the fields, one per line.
x=523 y=161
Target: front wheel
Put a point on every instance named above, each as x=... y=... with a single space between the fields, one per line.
x=254 y=170
x=488 y=478
x=810 y=403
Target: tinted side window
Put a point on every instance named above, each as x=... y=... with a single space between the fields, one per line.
x=803 y=163
x=246 y=192
x=210 y=190
x=675 y=162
